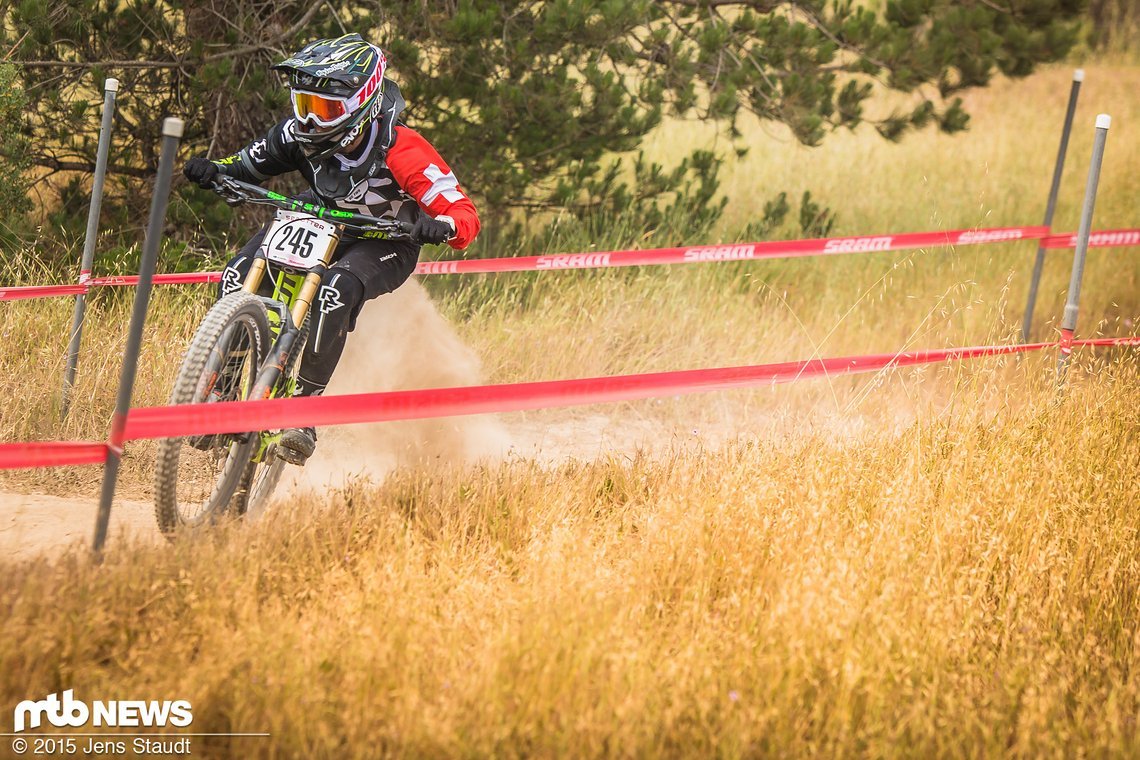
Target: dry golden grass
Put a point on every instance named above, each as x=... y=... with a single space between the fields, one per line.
x=34 y=335
x=552 y=325
x=963 y=587
x=995 y=174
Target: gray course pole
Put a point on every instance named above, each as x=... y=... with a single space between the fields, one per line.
x=110 y=87
x=1039 y=264
x=1069 y=320
x=172 y=132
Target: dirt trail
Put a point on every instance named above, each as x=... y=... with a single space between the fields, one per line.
x=37 y=524
x=34 y=524
x=402 y=342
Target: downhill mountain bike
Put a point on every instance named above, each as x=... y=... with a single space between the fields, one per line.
x=248 y=346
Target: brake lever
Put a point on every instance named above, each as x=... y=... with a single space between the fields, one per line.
x=231 y=193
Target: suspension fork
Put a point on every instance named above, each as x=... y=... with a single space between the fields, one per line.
x=308 y=291
x=292 y=317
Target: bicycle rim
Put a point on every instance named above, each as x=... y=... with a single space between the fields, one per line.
x=196 y=476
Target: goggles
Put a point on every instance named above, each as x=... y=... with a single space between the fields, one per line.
x=329 y=110
x=320 y=110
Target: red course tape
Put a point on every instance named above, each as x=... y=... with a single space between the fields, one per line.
x=655 y=256
x=732 y=252
x=200 y=419
x=17 y=455
x=1099 y=239
x=20 y=292
x=178 y=278
x=690 y=255
x=776 y=249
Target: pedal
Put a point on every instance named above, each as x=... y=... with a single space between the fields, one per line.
x=290 y=456
x=296 y=445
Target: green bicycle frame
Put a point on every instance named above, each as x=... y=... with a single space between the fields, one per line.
x=295 y=292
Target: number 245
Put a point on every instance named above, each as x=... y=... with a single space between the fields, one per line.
x=301 y=241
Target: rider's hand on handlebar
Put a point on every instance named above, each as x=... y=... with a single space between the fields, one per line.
x=201 y=170
x=432 y=231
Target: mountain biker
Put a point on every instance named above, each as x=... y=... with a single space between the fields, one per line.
x=347 y=140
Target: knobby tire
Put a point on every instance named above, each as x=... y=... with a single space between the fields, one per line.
x=239 y=311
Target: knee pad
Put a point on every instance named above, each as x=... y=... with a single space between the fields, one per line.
x=233 y=276
x=338 y=301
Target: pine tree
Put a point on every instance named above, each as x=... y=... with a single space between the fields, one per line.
x=14 y=146
x=527 y=99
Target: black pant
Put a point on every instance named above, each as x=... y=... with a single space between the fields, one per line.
x=361 y=270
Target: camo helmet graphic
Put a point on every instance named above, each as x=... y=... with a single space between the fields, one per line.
x=335 y=87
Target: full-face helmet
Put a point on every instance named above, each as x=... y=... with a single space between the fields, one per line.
x=335 y=87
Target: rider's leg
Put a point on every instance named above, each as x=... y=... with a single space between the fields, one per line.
x=364 y=270
x=340 y=294
x=340 y=297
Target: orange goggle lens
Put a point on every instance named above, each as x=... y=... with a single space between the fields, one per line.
x=324 y=111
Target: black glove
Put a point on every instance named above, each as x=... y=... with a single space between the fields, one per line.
x=433 y=231
x=201 y=170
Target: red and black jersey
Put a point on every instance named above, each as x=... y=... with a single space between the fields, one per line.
x=394 y=172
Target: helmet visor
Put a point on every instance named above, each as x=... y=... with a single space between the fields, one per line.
x=320 y=110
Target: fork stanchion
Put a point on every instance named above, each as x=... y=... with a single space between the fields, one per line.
x=1072 y=302
x=1051 y=206
x=111 y=88
x=171 y=134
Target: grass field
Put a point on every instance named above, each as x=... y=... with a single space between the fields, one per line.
x=939 y=561
x=966 y=586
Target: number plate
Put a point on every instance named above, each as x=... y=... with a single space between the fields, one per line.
x=297 y=240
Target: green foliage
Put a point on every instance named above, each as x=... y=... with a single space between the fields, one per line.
x=815 y=221
x=13 y=155
x=529 y=101
x=654 y=197
x=775 y=212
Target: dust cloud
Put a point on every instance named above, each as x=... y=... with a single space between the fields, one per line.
x=400 y=343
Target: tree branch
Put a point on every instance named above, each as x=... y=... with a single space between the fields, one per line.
x=230 y=53
x=8 y=55
x=85 y=166
x=818 y=24
x=763 y=6
x=268 y=44
x=94 y=64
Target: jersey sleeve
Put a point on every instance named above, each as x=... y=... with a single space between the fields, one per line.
x=425 y=176
x=275 y=153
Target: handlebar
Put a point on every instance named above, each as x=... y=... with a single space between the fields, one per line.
x=235 y=191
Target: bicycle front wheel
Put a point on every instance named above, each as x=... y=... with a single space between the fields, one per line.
x=196 y=476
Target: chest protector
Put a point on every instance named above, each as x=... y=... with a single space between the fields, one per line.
x=362 y=182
